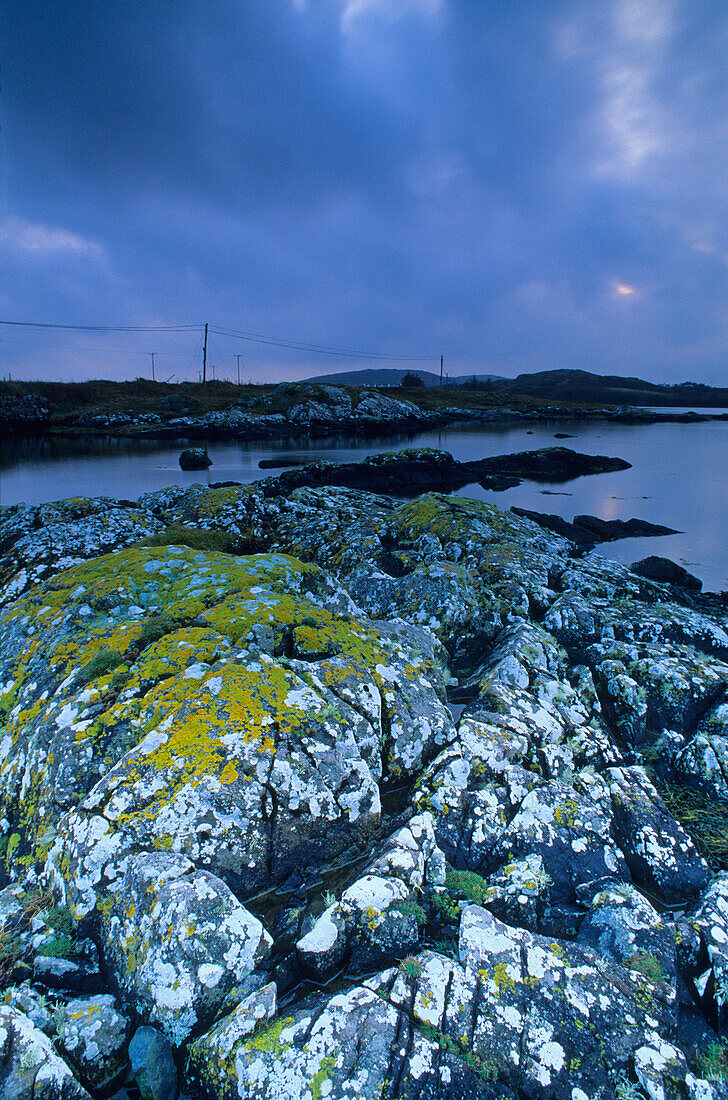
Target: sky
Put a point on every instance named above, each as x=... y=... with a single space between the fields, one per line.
x=517 y=185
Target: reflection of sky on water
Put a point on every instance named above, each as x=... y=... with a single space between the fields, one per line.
x=678 y=477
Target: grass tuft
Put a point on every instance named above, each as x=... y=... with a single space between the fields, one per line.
x=703 y=817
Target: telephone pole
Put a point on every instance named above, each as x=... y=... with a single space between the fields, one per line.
x=152 y=353
x=204 y=358
x=442 y=363
x=237 y=356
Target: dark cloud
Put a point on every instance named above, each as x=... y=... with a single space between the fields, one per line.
x=401 y=175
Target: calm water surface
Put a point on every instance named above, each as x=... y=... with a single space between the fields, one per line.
x=678 y=476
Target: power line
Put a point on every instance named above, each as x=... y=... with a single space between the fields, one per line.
x=300 y=345
x=254 y=337
x=104 y=328
x=130 y=352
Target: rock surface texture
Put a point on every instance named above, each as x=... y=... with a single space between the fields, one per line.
x=397 y=799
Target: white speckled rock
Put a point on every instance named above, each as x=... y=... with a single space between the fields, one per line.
x=94 y=1036
x=177 y=942
x=659 y=852
x=534 y=1015
x=30 y=1068
x=376 y=917
x=622 y=925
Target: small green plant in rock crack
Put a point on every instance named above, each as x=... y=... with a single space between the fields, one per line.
x=60 y=921
x=59 y=1018
x=472 y=886
x=627 y=1090
x=106 y=660
x=712 y=1063
x=328 y=899
x=447 y=947
x=411 y=908
x=410 y=967
x=648 y=965
x=484 y=1068
x=10 y=950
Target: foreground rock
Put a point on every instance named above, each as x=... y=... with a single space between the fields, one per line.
x=226 y=775
x=30 y=1068
x=518 y=1015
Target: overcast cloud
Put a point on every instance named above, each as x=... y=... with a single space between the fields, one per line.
x=520 y=186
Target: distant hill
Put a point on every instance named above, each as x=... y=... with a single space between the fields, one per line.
x=391 y=377
x=579 y=385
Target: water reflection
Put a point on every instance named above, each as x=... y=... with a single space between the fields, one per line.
x=677 y=478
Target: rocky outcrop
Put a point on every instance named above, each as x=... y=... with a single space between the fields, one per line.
x=222 y=776
x=662 y=569
x=413 y=471
x=23 y=412
x=587 y=531
x=194 y=458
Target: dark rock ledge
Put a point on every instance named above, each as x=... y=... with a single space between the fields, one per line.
x=247 y=850
x=417 y=470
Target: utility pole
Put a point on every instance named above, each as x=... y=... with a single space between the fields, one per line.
x=442 y=362
x=237 y=356
x=204 y=358
x=152 y=353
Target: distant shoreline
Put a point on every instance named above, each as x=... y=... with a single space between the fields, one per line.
x=290 y=410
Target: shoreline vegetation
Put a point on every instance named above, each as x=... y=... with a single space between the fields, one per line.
x=223 y=410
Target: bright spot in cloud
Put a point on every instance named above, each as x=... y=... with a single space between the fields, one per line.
x=354 y=11
x=46 y=239
x=624 y=290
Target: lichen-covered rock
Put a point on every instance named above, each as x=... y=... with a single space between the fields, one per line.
x=622 y=926
x=93 y=1035
x=177 y=942
x=709 y=974
x=230 y=709
x=30 y=1069
x=32 y=1004
x=569 y=828
x=703 y=761
x=659 y=853
x=38 y=542
x=185 y=729
x=377 y=917
x=522 y=1015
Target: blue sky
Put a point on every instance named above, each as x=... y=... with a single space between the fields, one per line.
x=519 y=186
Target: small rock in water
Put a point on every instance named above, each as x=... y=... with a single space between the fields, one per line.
x=195 y=458
x=152 y=1065
x=662 y=569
